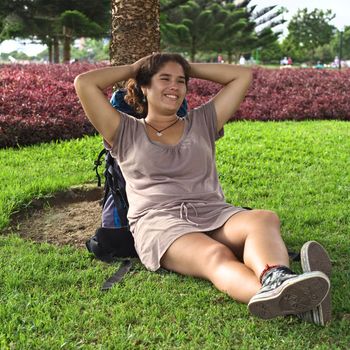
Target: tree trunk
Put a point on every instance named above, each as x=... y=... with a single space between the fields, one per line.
x=229 y=56
x=193 y=53
x=49 y=45
x=193 y=49
x=67 y=38
x=56 y=50
x=135 y=30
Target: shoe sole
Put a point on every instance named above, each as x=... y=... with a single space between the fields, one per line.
x=314 y=257
x=296 y=295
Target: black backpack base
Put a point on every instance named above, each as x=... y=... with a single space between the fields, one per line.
x=109 y=244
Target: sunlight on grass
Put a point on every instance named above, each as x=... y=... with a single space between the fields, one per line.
x=51 y=298
x=33 y=172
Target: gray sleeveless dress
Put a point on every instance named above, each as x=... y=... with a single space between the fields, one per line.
x=172 y=189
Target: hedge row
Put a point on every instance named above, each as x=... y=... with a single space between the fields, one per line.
x=39 y=104
x=287 y=94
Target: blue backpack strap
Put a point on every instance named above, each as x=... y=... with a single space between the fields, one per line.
x=183 y=109
x=118 y=102
x=115 y=185
x=98 y=163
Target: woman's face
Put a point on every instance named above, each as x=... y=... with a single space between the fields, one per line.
x=167 y=89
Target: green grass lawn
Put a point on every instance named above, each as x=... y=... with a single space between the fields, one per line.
x=51 y=298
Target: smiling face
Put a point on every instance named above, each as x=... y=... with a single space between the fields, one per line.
x=167 y=90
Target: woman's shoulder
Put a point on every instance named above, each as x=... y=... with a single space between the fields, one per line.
x=129 y=126
x=130 y=119
x=205 y=108
x=204 y=118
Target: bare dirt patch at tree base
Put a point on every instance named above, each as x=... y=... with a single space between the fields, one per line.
x=70 y=217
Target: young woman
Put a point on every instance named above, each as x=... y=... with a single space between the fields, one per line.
x=178 y=215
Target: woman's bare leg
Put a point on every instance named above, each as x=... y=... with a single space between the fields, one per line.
x=254 y=237
x=196 y=254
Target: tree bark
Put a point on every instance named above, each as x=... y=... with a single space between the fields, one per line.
x=135 y=30
x=49 y=45
x=67 y=38
x=56 y=50
x=193 y=53
x=229 y=56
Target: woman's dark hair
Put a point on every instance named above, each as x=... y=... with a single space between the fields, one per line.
x=134 y=95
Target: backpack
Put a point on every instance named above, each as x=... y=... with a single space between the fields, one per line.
x=113 y=240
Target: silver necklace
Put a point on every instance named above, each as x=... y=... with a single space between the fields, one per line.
x=159 y=132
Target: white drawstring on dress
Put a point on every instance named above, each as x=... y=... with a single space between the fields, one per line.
x=184 y=209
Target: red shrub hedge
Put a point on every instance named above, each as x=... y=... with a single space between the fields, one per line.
x=39 y=104
x=287 y=94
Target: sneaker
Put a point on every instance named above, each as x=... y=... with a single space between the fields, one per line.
x=314 y=257
x=285 y=293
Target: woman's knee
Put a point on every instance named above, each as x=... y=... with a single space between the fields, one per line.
x=219 y=254
x=265 y=217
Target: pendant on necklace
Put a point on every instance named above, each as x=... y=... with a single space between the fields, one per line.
x=159 y=132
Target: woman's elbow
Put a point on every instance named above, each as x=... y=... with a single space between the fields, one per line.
x=78 y=81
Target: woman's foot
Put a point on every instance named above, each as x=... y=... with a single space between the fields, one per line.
x=284 y=293
x=314 y=257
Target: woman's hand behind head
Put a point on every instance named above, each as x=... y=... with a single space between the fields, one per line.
x=138 y=64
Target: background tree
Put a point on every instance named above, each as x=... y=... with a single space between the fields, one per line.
x=219 y=26
x=241 y=36
x=16 y=19
x=266 y=36
x=190 y=28
x=324 y=54
x=50 y=22
x=202 y=25
x=309 y=30
x=167 y=5
x=290 y=49
x=335 y=43
x=271 y=52
x=75 y=24
x=68 y=20
x=256 y=34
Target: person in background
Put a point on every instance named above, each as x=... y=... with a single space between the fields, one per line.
x=242 y=60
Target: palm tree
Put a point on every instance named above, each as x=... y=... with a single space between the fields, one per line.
x=135 y=30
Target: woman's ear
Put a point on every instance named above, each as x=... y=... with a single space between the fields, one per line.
x=144 y=91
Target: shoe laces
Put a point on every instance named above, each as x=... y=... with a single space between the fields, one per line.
x=274 y=277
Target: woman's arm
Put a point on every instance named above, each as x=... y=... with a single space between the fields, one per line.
x=89 y=87
x=236 y=81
